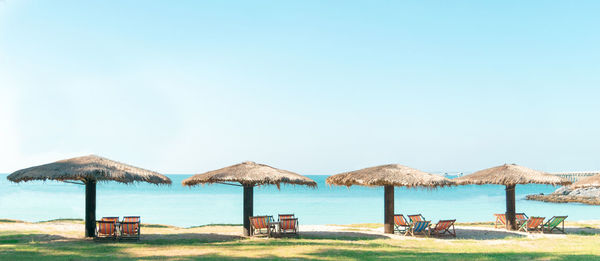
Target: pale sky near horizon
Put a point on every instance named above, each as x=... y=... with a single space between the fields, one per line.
x=316 y=87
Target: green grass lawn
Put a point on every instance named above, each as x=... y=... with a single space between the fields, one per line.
x=45 y=245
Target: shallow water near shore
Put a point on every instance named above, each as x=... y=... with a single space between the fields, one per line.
x=222 y=204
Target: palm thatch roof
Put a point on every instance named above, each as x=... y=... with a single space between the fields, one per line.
x=593 y=181
x=251 y=174
x=389 y=175
x=510 y=174
x=90 y=167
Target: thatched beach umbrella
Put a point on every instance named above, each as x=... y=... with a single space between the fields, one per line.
x=389 y=176
x=249 y=174
x=588 y=182
x=510 y=175
x=89 y=170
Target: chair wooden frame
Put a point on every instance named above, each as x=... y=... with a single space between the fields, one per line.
x=283 y=216
x=106 y=229
x=288 y=226
x=130 y=227
x=416 y=217
x=419 y=227
x=552 y=224
x=533 y=224
x=443 y=227
x=400 y=223
x=258 y=223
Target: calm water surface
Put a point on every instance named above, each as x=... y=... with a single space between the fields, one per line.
x=212 y=204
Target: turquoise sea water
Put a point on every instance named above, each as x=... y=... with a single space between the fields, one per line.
x=182 y=206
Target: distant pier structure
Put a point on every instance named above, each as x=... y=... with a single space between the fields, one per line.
x=576 y=175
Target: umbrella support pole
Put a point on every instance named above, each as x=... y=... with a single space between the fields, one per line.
x=511 y=222
x=388 y=225
x=90 y=208
x=248 y=208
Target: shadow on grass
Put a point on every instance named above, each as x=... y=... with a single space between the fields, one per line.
x=350 y=254
x=340 y=235
x=30 y=237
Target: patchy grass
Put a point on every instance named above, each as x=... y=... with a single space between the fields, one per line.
x=47 y=241
x=75 y=220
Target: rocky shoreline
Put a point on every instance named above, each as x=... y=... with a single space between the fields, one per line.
x=590 y=196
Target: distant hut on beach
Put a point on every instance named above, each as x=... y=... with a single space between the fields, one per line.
x=88 y=170
x=248 y=175
x=510 y=175
x=389 y=176
x=589 y=182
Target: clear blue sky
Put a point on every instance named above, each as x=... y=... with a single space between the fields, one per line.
x=316 y=87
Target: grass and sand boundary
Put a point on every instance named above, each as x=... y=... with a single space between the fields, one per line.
x=63 y=240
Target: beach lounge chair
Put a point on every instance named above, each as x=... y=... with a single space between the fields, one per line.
x=500 y=220
x=288 y=226
x=130 y=228
x=400 y=223
x=417 y=217
x=533 y=224
x=521 y=216
x=553 y=224
x=260 y=225
x=106 y=229
x=443 y=227
x=419 y=227
x=114 y=219
x=284 y=216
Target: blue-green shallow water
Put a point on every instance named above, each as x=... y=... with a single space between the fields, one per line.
x=182 y=206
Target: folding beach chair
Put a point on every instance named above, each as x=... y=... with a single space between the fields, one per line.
x=130 y=228
x=416 y=217
x=400 y=223
x=288 y=226
x=553 y=223
x=500 y=220
x=106 y=229
x=260 y=225
x=521 y=216
x=533 y=224
x=419 y=227
x=443 y=227
x=284 y=216
x=114 y=219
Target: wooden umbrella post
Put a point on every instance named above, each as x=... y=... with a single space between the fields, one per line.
x=90 y=208
x=388 y=226
x=511 y=222
x=248 y=208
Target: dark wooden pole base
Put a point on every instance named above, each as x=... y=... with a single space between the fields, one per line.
x=90 y=208
x=388 y=224
x=511 y=221
x=248 y=208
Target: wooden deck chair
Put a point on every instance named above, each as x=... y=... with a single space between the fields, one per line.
x=419 y=227
x=106 y=229
x=400 y=223
x=500 y=220
x=443 y=227
x=417 y=217
x=533 y=224
x=114 y=219
x=521 y=216
x=288 y=226
x=130 y=228
x=284 y=216
x=260 y=225
x=553 y=224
